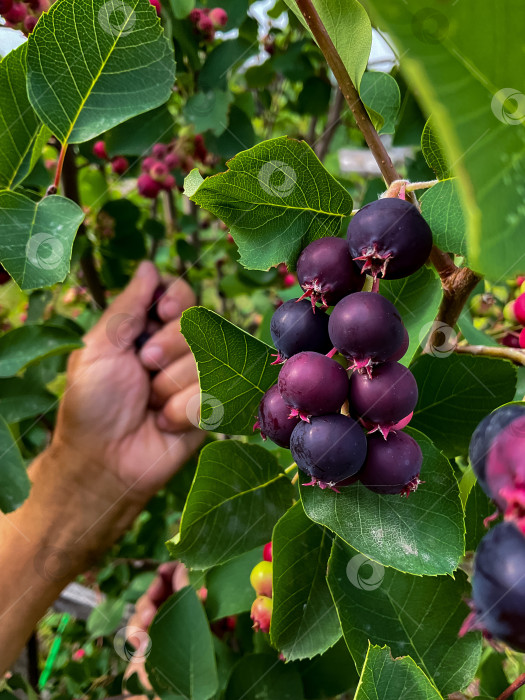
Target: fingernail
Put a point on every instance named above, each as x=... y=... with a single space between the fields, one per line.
x=143 y=269
x=152 y=356
x=169 y=309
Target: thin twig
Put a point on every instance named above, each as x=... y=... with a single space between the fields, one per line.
x=332 y=120
x=520 y=680
x=500 y=351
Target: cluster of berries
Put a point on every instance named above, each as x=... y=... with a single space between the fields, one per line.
x=261 y=580
x=206 y=22
x=497 y=455
x=119 y=164
x=516 y=314
x=500 y=311
x=22 y=15
x=316 y=409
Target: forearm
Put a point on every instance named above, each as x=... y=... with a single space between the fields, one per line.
x=56 y=534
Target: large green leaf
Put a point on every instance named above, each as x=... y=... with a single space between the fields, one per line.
x=14 y=482
x=20 y=398
x=229 y=588
x=235 y=371
x=238 y=493
x=380 y=92
x=455 y=393
x=441 y=206
x=276 y=197
x=209 y=110
x=423 y=534
x=384 y=677
x=415 y=615
x=22 y=346
x=92 y=65
x=37 y=238
x=304 y=619
x=330 y=674
x=263 y=677
x=477 y=103
x=182 y=660
x=137 y=136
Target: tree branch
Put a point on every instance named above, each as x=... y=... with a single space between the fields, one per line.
x=500 y=351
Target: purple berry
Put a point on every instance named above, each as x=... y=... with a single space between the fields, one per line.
x=153 y=311
x=506 y=471
x=326 y=271
x=313 y=384
x=295 y=328
x=385 y=399
x=367 y=328
x=273 y=418
x=403 y=348
x=330 y=448
x=389 y=237
x=392 y=465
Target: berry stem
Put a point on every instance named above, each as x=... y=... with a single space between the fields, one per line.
x=492 y=351
x=518 y=683
x=290 y=468
x=60 y=165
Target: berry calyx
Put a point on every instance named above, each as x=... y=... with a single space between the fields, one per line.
x=519 y=309
x=313 y=385
x=392 y=465
x=148 y=187
x=326 y=271
x=261 y=578
x=330 y=449
x=119 y=165
x=506 y=471
x=219 y=17
x=267 y=552
x=261 y=613
x=389 y=238
x=99 y=150
x=273 y=418
x=295 y=328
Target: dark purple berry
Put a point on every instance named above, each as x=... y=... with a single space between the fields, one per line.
x=392 y=465
x=273 y=418
x=330 y=448
x=367 y=328
x=498 y=587
x=326 y=271
x=313 y=384
x=141 y=340
x=385 y=399
x=484 y=436
x=295 y=328
x=505 y=472
x=403 y=349
x=153 y=313
x=389 y=237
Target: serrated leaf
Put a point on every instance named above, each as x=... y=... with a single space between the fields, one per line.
x=182 y=659
x=14 y=482
x=422 y=535
x=37 y=238
x=415 y=615
x=208 y=111
x=433 y=152
x=22 y=346
x=417 y=299
x=304 y=619
x=235 y=371
x=20 y=399
x=380 y=92
x=229 y=588
x=441 y=206
x=384 y=677
x=238 y=493
x=456 y=392
x=276 y=197
x=92 y=65
x=262 y=677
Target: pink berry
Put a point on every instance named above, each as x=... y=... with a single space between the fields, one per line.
x=202 y=594
x=156 y=5
x=172 y=161
x=30 y=23
x=17 y=13
x=195 y=16
x=506 y=471
x=205 y=24
x=519 y=309
x=119 y=165
x=267 y=552
x=99 y=150
x=169 y=183
x=5 y=6
x=261 y=613
x=147 y=186
x=148 y=163
x=520 y=280
x=522 y=339
x=289 y=280
x=219 y=17
x=78 y=655
x=159 y=171
x=159 y=150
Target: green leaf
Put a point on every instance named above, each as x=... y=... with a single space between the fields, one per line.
x=276 y=197
x=182 y=8
x=384 y=677
x=37 y=238
x=380 y=92
x=304 y=619
x=421 y=535
x=235 y=371
x=18 y=122
x=415 y=615
x=239 y=132
x=136 y=136
x=477 y=106
x=14 y=482
x=472 y=334
x=456 y=392
x=92 y=65
x=106 y=617
x=229 y=588
x=263 y=677
x=182 y=659
x=238 y=493
x=222 y=60
x=417 y=299
x=209 y=110
x=433 y=152
x=20 y=399
x=22 y=346
x=442 y=208
x=328 y=675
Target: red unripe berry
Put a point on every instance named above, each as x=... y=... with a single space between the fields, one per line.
x=156 y=5
x=119 y=165
x=158 y=171
x=219 y=17
x=202 y=594
x=148 y=163
x=169 y=182
x=99 y=150
x=147 y=186
x=522 y=339
x=289 y=280
x=17 y=13
x=261 y=613
x=520 y=280
x=231 y=622
x=5 y=6
x=30 y=23
x=159 y=150
x=519 y=309
x=261 y=578
x=195 y=16
x=172 y=161
x=510 y=340
x=267 y=552
x=205 y=25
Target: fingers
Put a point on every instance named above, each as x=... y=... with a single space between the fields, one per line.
x=164 y=347
x=176 y=377
x=178 y=297
x=173 y=417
